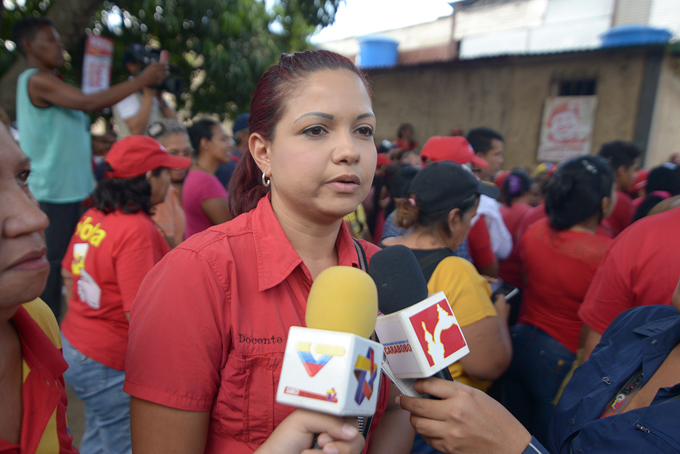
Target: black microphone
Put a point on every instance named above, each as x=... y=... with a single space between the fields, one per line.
x=400 y=283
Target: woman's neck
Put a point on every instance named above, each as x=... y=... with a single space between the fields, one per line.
x=587 y=226
x=206 y=163
x=314 y=242
x=418 y=238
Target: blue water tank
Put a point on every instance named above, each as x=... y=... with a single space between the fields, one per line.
x=377 y=52
x=634 y=35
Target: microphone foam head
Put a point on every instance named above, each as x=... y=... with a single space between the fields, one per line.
x=398 y=277
x=343 y=299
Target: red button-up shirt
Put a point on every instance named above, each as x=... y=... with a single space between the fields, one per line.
x=209 y=326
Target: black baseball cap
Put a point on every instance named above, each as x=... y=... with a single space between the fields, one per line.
x=446 y=184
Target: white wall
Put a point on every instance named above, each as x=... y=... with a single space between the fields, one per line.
x=548 y=26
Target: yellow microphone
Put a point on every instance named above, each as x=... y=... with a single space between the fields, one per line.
x=331 y=366
x=343 y=299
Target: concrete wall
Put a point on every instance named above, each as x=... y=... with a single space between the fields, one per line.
x=512 y=27
x=433 y=34
x=507 y=94
x=665 y=134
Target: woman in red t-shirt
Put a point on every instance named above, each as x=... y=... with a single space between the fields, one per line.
x=114 y=246
x=560 y=255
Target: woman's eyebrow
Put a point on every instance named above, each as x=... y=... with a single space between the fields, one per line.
x=369 y=114
x=316 y=114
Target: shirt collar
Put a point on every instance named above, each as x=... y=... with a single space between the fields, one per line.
x=37 y=349
x=277 y=258
x=666 y=330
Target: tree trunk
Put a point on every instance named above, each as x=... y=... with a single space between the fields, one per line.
x=70 y=18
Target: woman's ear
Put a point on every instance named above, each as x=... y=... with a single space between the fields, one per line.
x=259 y=149
x=455 y=219
x=204 y=141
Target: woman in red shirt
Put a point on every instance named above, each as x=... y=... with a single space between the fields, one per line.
x=114 y=246
x=209 y=326
x=560 y=255
x=405 y=140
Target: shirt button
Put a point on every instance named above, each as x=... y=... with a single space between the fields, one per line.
x=571 y=422
x=653 y=342
x=579 y=449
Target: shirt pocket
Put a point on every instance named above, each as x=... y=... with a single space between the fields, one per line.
x=259 y=396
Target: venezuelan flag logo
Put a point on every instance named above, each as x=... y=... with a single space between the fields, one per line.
x=314 y=364
x=365 y=370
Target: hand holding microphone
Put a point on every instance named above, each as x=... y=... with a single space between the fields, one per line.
x=295 y=434
x=464 y=421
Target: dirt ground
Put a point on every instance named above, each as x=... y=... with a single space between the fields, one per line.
x=75 y=413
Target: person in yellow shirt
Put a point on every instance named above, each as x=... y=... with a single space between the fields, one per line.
x=33 y=414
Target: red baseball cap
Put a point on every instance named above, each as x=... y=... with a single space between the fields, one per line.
x=136 y=155
x=447 y=148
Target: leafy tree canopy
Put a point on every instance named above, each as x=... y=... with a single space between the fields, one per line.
x=221 y=47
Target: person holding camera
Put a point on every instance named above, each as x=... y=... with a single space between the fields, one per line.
x=54 y=132
x=135 y=113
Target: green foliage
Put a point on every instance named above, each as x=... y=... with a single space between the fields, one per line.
x=222 y=47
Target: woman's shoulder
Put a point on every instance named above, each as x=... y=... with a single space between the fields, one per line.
x=236 y=235
x=43 y=316
x=455 y=267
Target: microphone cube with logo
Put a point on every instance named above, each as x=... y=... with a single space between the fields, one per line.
x=330 y=372
x=422 y=339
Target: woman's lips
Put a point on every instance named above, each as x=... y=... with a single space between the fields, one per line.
x=345 y=183
x=33 y=261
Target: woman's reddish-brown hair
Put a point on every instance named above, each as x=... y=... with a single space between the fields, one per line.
x=267 y=108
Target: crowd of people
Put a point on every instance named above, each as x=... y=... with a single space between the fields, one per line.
x=178 y=247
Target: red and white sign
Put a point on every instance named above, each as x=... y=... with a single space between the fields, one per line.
x=438 y=332
x=567 y=127
x=97 y=63
x=422 y=339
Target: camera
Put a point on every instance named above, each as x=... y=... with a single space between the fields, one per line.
x=137 y=53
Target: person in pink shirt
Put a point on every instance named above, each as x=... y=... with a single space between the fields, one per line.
x=203 y=197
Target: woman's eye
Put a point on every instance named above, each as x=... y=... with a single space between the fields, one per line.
x=23 y=175
x=315 y=131
x=365 y=131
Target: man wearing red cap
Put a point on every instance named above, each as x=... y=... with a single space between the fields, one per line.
x=115 y=244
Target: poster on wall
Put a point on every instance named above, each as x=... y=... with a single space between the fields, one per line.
x=97 y=63
x=567 y=127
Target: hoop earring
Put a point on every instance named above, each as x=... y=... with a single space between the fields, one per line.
x=266 y=181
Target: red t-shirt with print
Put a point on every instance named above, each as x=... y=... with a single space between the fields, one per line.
x=108 y=257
